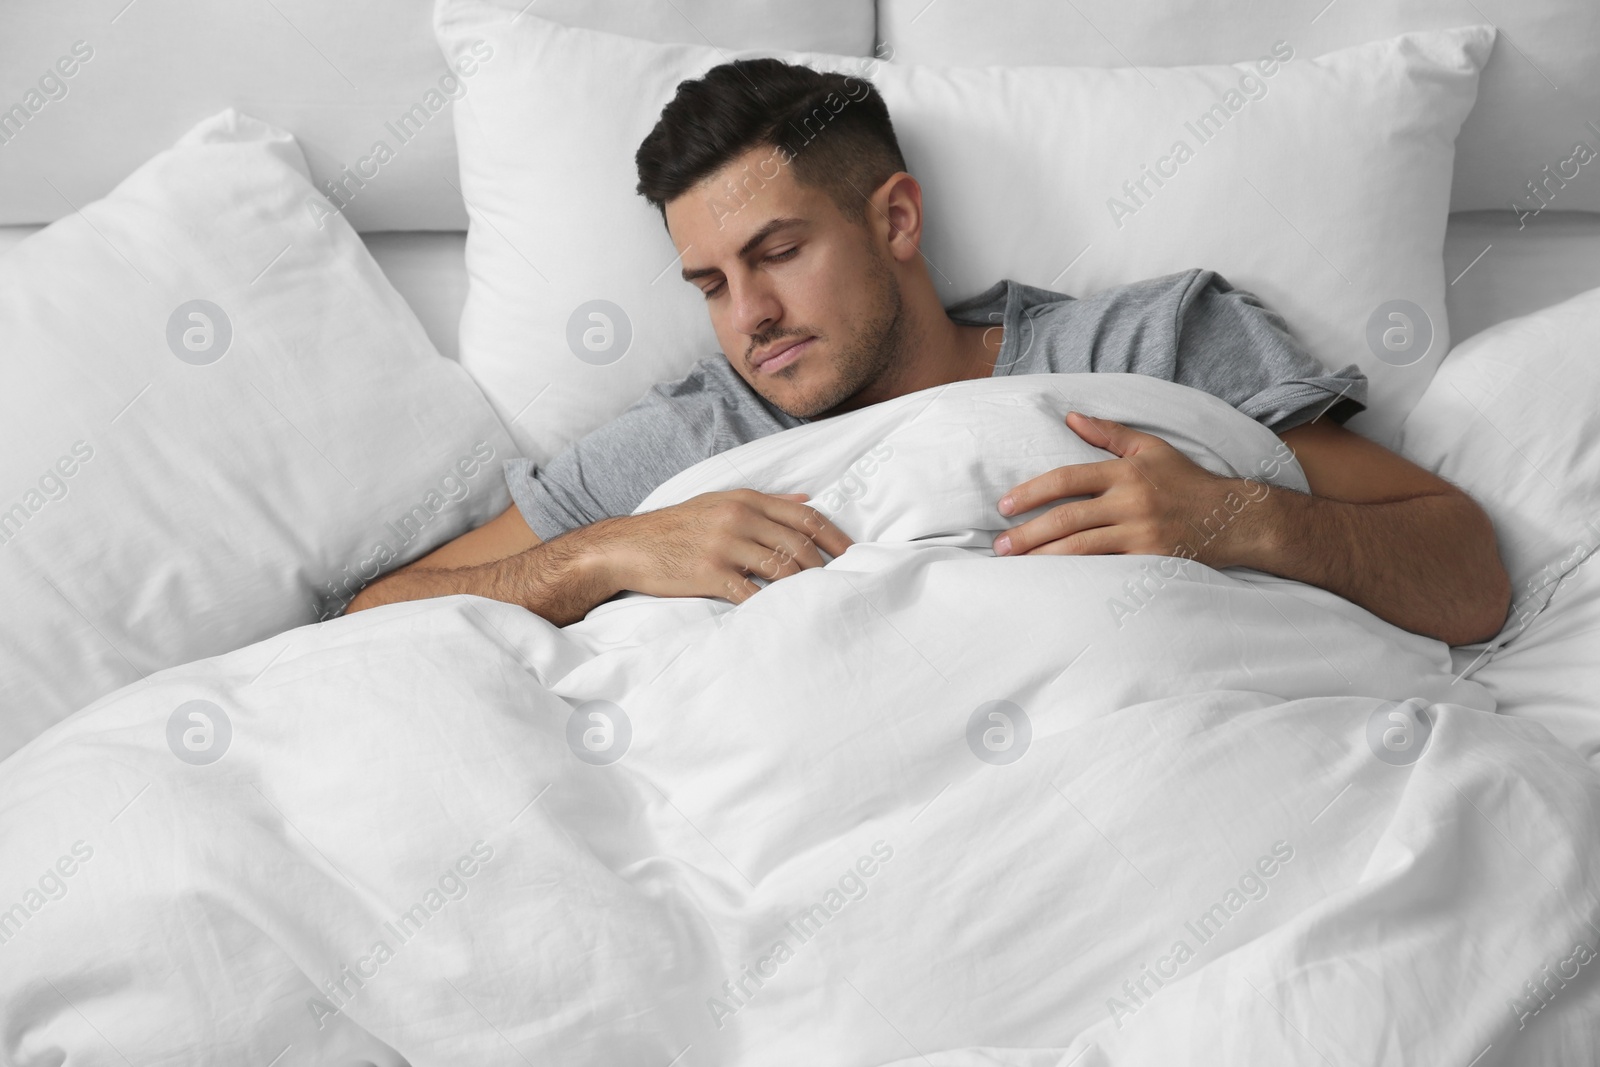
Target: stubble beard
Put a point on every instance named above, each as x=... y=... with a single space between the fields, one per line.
x=876 y=349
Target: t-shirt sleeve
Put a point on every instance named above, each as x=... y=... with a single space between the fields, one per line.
x=610 y=471
x=1232 y=346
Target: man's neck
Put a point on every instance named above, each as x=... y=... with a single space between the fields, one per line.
x=962 y=353
x=989 y=341
x=949 y=351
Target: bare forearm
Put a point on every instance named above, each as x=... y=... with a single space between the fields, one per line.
x=1428 y=564
x=560 y=580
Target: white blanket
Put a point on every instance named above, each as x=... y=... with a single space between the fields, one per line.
x=922 y=805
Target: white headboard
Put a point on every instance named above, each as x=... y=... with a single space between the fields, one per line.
x=339 y=74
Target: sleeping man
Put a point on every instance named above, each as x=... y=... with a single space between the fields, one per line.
x=786 y=195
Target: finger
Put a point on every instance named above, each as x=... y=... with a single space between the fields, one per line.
x=811 y=523
x=1078 y=479
x=787 y=550
x=760 y=560
x=790 y=543
x=1114 y=437
x=1055 y=524
x=737 y=586
x=1100 y=541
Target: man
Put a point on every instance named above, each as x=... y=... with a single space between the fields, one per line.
x=785 y=192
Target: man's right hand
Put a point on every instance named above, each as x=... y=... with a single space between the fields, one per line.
x=707 y=546
x=712 y=544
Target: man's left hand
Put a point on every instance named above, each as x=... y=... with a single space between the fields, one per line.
x=1150 y=500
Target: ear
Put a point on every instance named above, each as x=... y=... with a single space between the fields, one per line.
x=895 y=213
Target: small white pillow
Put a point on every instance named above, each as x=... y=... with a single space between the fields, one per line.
x=220 y=418
x=1325 y=194
x=1513 y=418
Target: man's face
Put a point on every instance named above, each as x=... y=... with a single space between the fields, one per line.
x=778 y=264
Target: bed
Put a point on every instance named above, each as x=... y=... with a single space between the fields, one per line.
x=920 y=805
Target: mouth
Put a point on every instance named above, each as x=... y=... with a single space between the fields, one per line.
x=783 y=356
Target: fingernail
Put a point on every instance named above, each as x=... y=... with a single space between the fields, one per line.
x=1002 y=545
x=1005 y=505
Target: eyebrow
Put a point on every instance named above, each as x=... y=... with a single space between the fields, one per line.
x=749 y=246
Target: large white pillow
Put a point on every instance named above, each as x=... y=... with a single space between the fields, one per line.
x=1326 y=195
x=1539 y=95
x=343 y=76
x=1513 y=417
x=219 y=418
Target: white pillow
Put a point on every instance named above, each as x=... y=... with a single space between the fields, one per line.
x=1326 y=196
x=1538 y=94
x=1513 y=417
x=216 y=411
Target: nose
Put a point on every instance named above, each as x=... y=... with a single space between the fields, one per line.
x=756 y=309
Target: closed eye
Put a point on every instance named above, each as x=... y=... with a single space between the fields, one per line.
x=776 y=257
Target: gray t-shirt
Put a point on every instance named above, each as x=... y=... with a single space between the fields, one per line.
x=1192 y=328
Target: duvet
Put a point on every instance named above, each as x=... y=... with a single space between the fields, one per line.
x=921 y=805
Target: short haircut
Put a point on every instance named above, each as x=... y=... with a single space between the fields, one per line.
x=833 y=129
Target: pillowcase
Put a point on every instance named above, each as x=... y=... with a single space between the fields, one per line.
x=1538 y=96
x=1319 y=184
x=220 y=419
x=1513 y=418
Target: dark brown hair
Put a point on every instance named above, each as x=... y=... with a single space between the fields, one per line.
x=834 y=130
